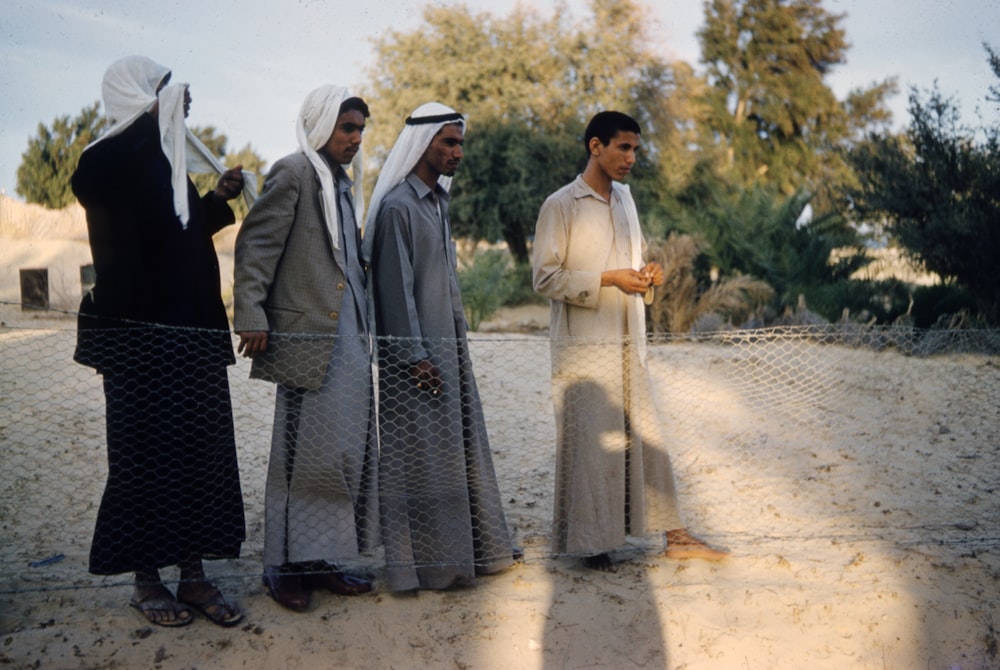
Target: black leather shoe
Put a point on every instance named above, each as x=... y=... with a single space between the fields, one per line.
x=326 y=576
x=286 y=589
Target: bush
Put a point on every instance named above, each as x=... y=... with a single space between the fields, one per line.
x=934 y=304
x=521 y=291
x=685 y=298
x=486 y=284
x=884 y=301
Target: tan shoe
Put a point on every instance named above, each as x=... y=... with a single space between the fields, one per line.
x=682 y=544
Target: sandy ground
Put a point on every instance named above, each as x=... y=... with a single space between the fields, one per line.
x=857 y=491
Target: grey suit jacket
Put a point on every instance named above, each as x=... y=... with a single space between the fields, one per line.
x=289 y=280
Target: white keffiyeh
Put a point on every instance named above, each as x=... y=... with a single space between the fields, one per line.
x=129 y=91
x=316 y=122
x=636 y=313
x=422 y=125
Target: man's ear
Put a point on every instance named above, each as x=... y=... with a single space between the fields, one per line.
x=595 y=146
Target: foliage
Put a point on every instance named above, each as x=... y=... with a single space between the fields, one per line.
x=43 y=177
x=936 y=189
x=540 y=71
x=486 y=284
x=993 y=58
x=933 y=304
x=528 y=84
x=770 y=111
x=507 y=173
x=522 y=291
x=860 y=301
x=759 y=233
x=685 y=297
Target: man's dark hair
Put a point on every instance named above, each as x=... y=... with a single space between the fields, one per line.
x=606 y=125
x=354 y=104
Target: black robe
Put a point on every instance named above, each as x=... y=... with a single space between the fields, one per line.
x=155 y=327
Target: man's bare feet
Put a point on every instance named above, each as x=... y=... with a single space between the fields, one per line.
x=682 y=544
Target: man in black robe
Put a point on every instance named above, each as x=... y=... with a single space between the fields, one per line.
x=155 y=327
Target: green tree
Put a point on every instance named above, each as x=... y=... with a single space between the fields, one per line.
x=489 y=68
x=936 y=189
x=507 y=173
x=993 y=58
x=527 y=85
x=772 y=114
x=43 y=177
x=760 y=233
x=486 y=284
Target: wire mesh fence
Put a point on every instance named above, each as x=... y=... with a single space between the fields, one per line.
x=739 y=406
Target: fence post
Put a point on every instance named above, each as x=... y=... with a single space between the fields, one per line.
x=34 y=288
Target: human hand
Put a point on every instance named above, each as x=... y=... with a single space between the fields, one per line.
x=230 y=183
x=653 y=272
x=252 y=342
x=626 y=280
x=427 y=376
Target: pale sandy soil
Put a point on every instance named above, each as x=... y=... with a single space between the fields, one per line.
x=857 y=491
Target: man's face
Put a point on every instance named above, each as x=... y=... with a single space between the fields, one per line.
x=445 y=151
x=616 y=159
x=345 y=142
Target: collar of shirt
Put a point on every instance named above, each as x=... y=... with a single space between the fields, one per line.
x=340 y=177
x=422 y=190
x=581 y=189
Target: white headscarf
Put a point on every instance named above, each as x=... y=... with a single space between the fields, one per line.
x=421 y=126
x=636 y=313
x=129 y=91
x=316 y=122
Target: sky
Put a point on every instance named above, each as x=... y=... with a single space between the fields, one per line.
x=251 y=62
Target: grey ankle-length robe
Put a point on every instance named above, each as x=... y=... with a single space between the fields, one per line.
x=441 y=514
x=292 y=281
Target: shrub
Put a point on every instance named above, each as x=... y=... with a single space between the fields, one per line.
x=486 y=284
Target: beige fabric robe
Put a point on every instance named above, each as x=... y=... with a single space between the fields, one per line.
x=613 y=473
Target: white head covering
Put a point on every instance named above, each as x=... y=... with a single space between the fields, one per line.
x=636 y=313
x=316 y=122
x=129 y=91
x=421 y=126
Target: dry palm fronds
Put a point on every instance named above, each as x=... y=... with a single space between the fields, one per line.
x=680 y=302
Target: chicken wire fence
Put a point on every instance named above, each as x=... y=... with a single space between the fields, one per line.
x=748 y=411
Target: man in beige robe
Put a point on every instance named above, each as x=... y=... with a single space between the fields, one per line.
x=613 y=473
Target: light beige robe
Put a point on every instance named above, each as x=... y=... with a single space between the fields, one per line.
x=613 y=473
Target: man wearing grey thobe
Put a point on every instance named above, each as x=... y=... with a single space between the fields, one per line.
x=441 y=515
